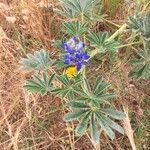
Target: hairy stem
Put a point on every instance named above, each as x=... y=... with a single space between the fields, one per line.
x=129 y=44
x=119 y=31
x=110 y=22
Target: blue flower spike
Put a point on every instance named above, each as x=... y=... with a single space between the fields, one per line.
x=80 y=46
x=72 y=42
x=74 y=53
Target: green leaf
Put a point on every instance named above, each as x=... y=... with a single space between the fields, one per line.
x=134 y=62
x=94 y=131
x=106 y=96
x=102 y=88
x=41 y=85
x=137 y=71
x=86 y=86
x=76 y=8
x=60 y=64
x=85 y=99
x=64 y=80
x=105 y=126
x=98 y=94
x=75 y=28
x=89 y=108
x=78 y=90
x=146 y=26
x=57 y=90
x=141 y=67
x=37 y=61
x=64 y=93
x=74 y=115
x=50 y=80
x=66 y=12
x=114 y=113
x=146 y=72
x=97 y=84
x=82 y=126
x=71 y=95
x=69 y=87
x=77 y=105
x=79 y=6
x=113 y=125
x=100 y=42
x=103 y=98
x=135 y=23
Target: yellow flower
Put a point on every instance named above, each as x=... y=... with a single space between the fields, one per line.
x=71 y=71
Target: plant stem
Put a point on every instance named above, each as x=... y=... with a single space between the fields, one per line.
x=119 y=31
x=133 y=36
x=116 y=25
x=93 y=53
x=129 y=44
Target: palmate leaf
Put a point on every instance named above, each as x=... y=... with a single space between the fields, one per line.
x=40 y=85
x=69 y=87
x=75 y=28
x=37 y=61
x=95 y=14
x=135 y=23
x=77 y=6
x=141 y=66
x=146 y=26
x=91 y=111
x=93 y=119
x=87 y=5
x=66 y=12
x=99 y=92
x=74 y=115
x=100 y=42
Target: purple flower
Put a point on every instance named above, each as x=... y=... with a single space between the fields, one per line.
x=74 y=53
x=80 y=46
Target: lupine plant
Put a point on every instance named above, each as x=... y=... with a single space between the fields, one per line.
x=141 y=26
x=90 y=103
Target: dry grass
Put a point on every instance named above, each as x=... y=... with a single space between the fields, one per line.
x=29 y=19
x=33 y=122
